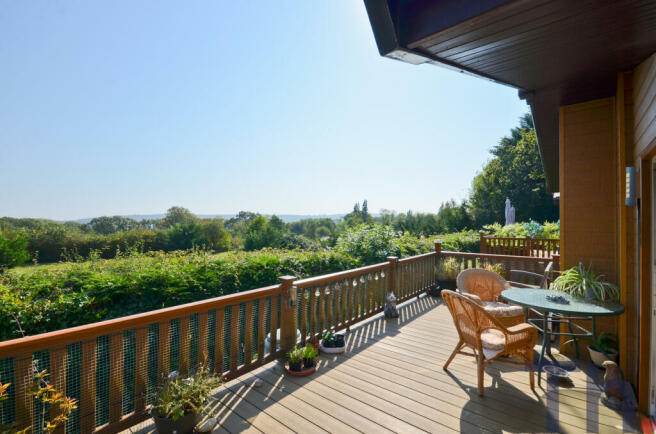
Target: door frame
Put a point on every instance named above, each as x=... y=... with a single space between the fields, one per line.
x=646 y=253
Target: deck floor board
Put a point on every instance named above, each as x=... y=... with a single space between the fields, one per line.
x=391 y=380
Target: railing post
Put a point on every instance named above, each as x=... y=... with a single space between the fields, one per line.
x=393 y=274
x=482 y=247
x=288 y=311
x=528 y=246
x=438 y=254
x=556 y=261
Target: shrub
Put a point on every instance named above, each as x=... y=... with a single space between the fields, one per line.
x=526 y=229
x=465 y=241
x=51 y=297
x=13 y=249
x=369 y=243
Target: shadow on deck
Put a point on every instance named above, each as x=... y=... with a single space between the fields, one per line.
x=391 y=380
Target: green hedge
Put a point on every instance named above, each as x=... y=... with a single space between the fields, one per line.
x=56 y=296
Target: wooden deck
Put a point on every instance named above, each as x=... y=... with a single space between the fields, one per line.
x=391 y=379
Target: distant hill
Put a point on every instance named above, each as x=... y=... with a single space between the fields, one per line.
x=287 y=218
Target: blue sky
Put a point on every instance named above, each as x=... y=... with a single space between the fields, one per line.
x=124 y=107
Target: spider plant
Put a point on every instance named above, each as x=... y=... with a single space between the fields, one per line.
x=581 y=282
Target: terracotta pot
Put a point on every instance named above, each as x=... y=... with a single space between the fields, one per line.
x=302 y=373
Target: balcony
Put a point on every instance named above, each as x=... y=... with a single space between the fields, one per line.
x=390 y=379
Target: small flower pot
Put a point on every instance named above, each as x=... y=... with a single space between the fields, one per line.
x=184 y=425
x=599 y=358
x=336 y=347
x=303 y=372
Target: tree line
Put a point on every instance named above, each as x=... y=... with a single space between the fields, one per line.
x=514 y=171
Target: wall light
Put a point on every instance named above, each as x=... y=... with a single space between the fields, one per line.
x=630 y=193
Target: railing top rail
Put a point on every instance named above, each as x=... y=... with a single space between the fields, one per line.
x=80 y=333
x=318 y=280
x=492 y=255
x=493 y=237
x=416 y=258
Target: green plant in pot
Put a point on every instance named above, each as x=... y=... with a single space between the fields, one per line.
x=603 y=348
x=447 y=270
x=295 y=359
x=309 y=355
x=180 y=401
x=329 y=340
x=581 y=282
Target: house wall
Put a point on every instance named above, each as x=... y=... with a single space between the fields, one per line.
x=643 y=128
x=628 y=233
x=589 y=193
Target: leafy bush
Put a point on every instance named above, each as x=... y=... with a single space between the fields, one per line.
x=465 y=241
x=369 y=243
x=525 y=229
x=56 y=296
x=13 y=249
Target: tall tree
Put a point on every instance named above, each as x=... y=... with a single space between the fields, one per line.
x=516 y=172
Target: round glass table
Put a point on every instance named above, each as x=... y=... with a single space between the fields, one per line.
x=554 y=313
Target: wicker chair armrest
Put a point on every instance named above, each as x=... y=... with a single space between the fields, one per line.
x=521 y=328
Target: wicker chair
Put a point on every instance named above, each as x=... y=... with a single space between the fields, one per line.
x=484 y=287
x=521 y=278
x=487 y=337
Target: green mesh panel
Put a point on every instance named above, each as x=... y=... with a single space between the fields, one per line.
x=129 y=367
x=255 y=328
x=7 y=415
x=226 y=338
x=242 y=317
x=153 y=347
x=73 y=383
x=193 y=342
x=102 y=380
x=174 y=342
x=267 y=316
x=211 y=337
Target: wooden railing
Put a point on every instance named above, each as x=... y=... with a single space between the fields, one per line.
x=336 y=301
x=538 y=247
x=508 y=262
x=113 y=368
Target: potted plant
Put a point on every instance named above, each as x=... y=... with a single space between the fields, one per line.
x=301 y=360
x=447 y=271
x=332 y=343
x=309 y=355
x=581 y=282
x=603 y=348
x=180 y=401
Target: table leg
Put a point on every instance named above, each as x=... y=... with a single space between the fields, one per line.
x=571 y=331
x=545 y=339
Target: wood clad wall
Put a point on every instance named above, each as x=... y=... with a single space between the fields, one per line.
x=628 y=231
x=644 y=149
x=589 y=191
x=644 y=105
